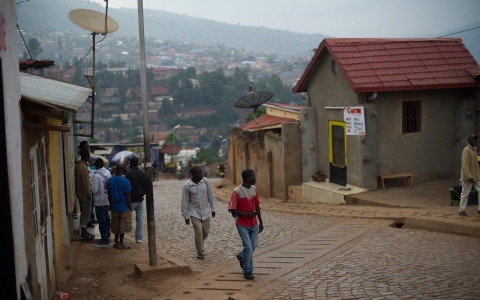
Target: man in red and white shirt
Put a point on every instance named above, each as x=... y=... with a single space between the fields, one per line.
x=245 y=205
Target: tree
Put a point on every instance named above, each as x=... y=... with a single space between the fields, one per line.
x=259 y=112
x=117 y=122
x=34 y=47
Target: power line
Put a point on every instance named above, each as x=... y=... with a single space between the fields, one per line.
x=459 y=31
x=28 y=50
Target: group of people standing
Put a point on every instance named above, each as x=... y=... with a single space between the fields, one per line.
x=114 y=198
x=198 y=203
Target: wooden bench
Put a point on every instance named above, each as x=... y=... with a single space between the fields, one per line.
x=409 y=177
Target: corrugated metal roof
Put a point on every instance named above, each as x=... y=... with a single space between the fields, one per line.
x=264 y=120
x=53 y=92
x=374 y=65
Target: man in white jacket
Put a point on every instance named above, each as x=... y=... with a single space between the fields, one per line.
x=99 y=179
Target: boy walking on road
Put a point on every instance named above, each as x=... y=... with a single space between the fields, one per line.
x=197 y=202
x=245 y=205
x=120 y=199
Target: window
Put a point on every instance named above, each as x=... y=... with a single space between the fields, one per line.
x=411 y=116
x=38 y=185
x=334 y=67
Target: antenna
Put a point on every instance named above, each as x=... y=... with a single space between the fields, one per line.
x=253 y=100
x=97 y=23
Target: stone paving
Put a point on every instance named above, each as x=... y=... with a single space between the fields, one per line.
x=393 y=264
x=176 y=238
x=390 y=263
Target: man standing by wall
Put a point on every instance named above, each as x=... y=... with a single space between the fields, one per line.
x=197 y=202
x=137 y=181
x=83 y=193
x=99 y=181
x=245 y=205
x=120 y=199
x=470 y=174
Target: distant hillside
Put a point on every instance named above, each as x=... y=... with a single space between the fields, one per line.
x=51 y=15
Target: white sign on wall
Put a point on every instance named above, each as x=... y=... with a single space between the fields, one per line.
x=354 y=117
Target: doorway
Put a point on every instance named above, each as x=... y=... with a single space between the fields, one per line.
x=337 y=145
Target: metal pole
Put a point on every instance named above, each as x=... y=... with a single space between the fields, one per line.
x=152 y=244
x=93 y=85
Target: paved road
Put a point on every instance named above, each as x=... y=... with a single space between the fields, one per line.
x=304 y=256
x=223 y=243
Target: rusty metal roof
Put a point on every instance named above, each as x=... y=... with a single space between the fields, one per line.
x=374 y=65
x=48 y=91
x=263 y=121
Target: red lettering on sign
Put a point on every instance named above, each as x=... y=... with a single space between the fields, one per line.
x=354 y=111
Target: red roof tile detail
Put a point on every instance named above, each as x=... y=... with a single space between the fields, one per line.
x=374 y=65
x=419 y=75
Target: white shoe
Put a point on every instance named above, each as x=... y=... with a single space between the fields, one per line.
x=139 y=241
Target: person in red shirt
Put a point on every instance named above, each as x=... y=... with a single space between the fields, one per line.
x=245 y=206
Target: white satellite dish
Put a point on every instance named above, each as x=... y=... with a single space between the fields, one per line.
x=92 y=21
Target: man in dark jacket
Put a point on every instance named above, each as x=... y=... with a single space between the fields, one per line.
x=137 y=181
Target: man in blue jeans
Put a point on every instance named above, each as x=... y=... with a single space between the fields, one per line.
x=137 y=181
x=99 y=181
x=245 y=205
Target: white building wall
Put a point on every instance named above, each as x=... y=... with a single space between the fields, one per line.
x=11 y=89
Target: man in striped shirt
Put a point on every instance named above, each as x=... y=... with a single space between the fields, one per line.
x=245 y=205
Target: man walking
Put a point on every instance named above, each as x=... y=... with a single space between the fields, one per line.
x=137 y=181
x=245 y=205
x=197 y=202
x=470 y=173
x=83 y=193
x=99 y=182
x=120 y=199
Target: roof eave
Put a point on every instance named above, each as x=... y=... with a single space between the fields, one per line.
x=417 y=87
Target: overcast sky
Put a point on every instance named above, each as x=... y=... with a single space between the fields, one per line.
x=339 y=18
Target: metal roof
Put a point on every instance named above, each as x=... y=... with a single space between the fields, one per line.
x=374 y=65
x=264 y=121
x=53 y=92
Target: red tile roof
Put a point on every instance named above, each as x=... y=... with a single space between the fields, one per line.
x=264 y=120
x=159 y=137
x=170 y=149
x=374 y=65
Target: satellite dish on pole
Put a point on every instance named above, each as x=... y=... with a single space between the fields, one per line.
x=92 y=21
x=97 y=23
x=253 y=100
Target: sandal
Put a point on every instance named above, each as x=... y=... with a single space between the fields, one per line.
x=124 y=247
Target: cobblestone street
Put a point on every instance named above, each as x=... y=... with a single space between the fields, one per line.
x=176 y=238
x=385 y=263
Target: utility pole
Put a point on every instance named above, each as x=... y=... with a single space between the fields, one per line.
x=152 y=244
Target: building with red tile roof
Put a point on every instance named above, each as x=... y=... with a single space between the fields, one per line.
x=374 y=65
x=388 y=106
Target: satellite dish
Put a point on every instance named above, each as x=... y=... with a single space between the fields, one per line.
x=92 y=21
x=253 y=100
